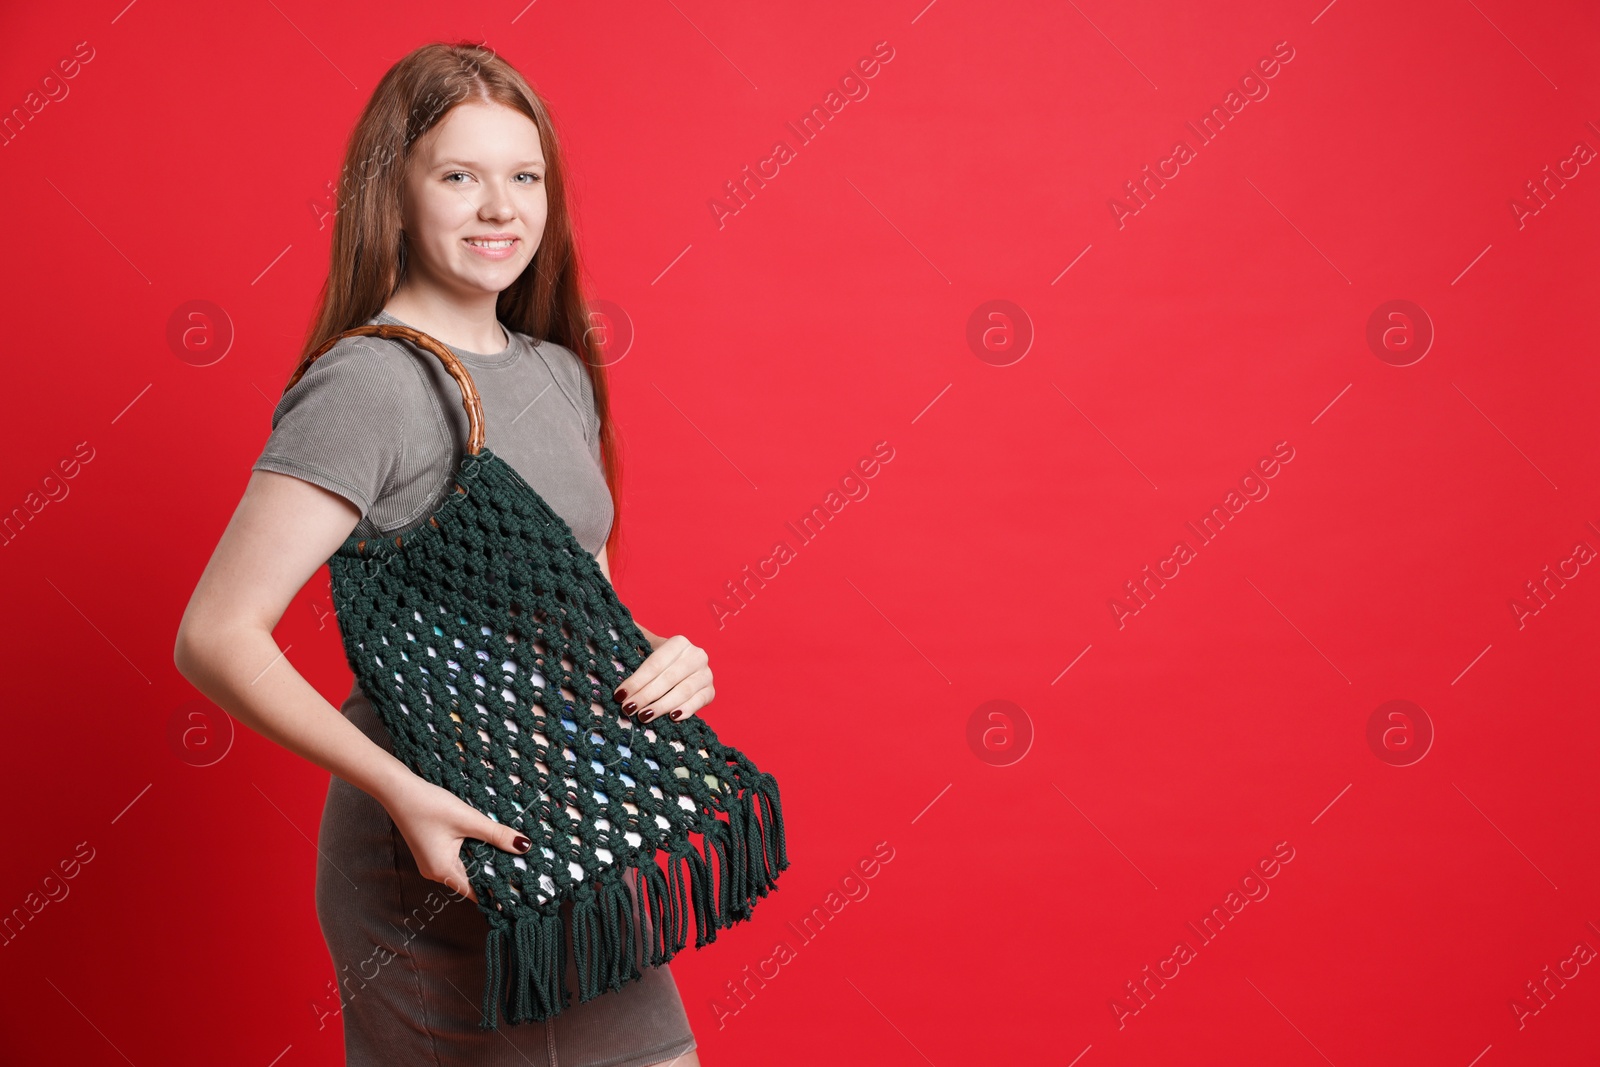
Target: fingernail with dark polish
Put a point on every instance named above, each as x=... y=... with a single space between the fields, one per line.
x=620 y=694
x=676 y=716
x=629 y=708
x=522 y=843
x=647 y=714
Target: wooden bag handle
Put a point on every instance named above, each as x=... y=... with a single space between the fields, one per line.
x=469 y=391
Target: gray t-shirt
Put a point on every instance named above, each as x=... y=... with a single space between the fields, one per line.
x=381 y=424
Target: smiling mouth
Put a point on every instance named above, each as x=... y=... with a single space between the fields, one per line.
x=504 y=242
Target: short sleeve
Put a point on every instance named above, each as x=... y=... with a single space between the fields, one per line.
x=339 y=426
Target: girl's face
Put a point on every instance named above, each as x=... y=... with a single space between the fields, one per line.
x=474 y=205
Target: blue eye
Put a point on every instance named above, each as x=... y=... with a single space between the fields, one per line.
x=525 y=174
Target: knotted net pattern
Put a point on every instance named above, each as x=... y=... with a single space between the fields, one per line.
x=490 y=643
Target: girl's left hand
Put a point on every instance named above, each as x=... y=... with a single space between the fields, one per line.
x=674 y=680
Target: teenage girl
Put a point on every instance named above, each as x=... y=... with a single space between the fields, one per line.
x=452 y=219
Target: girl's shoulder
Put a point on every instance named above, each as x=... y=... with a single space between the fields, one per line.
x=556 y=352
x=572 y=376
x=369 y=369
x=566 y=364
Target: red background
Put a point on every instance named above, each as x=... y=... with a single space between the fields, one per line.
x=769 y=354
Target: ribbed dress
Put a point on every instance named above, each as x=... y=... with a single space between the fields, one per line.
x=381 y=424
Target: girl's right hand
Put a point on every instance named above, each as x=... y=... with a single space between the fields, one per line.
x=434 y=822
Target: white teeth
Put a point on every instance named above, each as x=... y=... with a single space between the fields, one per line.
x=503 y=243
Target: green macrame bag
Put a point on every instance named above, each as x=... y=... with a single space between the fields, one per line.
x=490 y=642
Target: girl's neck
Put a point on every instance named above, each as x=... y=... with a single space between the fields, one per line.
x=474 y=329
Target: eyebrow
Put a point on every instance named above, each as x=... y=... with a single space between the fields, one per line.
x=475 y=163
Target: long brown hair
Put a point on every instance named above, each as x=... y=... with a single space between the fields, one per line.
x=367 y=260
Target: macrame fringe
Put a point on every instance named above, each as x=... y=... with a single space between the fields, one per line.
x=525 y=957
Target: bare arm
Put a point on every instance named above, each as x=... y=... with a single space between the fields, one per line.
x=283 y=530
x=281 y=533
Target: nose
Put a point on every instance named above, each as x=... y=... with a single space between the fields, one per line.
x=497 y=205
